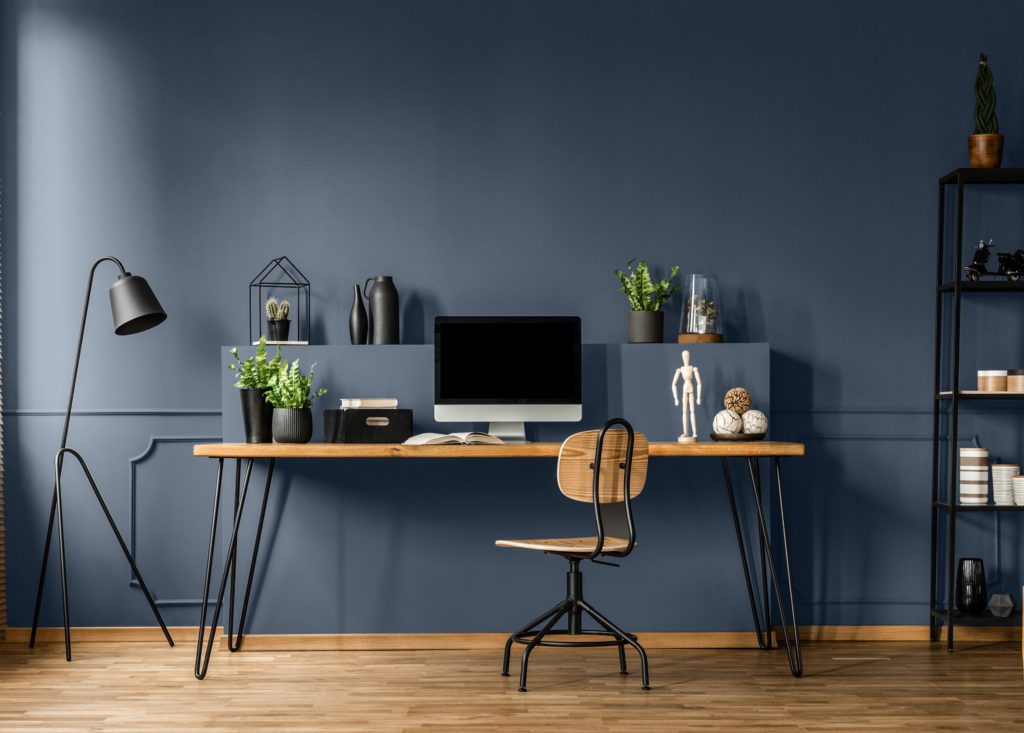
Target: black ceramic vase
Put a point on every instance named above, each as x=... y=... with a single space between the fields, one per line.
x=646 y=327
x=293 y=425
x=278 y=330
x=971 y=590
x=257 y=415
x=357 y=323
x=383 y=298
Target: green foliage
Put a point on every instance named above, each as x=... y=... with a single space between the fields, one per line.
x=255 y=371
x=643 y=293
x=702 y=307
x=289 y=387
x=985 y=120
x=277 y=311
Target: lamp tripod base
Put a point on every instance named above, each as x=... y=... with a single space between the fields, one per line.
x=57 y=511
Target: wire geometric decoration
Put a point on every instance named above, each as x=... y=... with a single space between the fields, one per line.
x=281 y=279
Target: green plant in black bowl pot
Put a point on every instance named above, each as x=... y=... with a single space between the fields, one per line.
x=253 y=381
x=291 y=395
x=646 y=298
x=278 y=324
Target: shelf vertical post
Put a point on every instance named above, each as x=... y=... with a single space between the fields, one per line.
x=936 y=406
x=954 y=428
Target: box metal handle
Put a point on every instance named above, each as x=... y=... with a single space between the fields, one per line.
x=378 y=422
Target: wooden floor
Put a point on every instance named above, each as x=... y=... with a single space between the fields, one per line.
x=850 y=686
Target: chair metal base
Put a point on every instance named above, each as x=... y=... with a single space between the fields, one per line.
x=573 y=608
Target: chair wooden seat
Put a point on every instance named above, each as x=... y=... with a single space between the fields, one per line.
x=581 y=545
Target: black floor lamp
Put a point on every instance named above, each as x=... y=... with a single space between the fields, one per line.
x=135 y=309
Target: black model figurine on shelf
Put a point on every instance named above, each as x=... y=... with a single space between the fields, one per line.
x=1011 y=264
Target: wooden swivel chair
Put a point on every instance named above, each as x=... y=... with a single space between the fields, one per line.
x=597 y=467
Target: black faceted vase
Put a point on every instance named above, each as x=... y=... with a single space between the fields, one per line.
x=971 y=590
x=257 y=415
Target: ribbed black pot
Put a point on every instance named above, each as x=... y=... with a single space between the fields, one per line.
x=646 y=327
x=293 y=425
x=257 y=415
x=971 y=590
x=278 y=330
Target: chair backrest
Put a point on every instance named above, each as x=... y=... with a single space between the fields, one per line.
x=576 y=466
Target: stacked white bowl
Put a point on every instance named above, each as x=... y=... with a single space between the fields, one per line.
x=974 y=475
x=1002 y=482
x=1018 y=490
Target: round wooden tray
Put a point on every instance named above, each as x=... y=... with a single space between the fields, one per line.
x=738 y=436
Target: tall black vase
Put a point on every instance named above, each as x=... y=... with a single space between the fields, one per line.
x=357 y=323
x=383 y=297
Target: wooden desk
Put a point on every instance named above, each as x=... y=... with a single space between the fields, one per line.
x=722 y=449
x=751 y=451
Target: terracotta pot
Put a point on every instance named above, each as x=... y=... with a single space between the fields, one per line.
x=985 y=151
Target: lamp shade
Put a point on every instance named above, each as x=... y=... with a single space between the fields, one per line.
x=134 y=306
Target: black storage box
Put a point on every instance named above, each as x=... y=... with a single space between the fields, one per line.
x=359 y=425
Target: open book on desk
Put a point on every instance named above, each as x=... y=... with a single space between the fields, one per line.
x=454 y=439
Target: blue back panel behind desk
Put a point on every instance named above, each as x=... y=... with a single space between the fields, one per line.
x=408 y=545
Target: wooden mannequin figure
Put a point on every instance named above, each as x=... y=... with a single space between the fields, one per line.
x=688 y=374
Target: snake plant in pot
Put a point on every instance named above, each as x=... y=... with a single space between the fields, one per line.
x=985 y=146
x=253 y=381
x=291 y=393
x=646 y=323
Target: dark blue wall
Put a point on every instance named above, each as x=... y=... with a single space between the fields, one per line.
x=504 y=157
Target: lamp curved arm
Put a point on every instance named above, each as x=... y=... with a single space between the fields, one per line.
x=78 y=350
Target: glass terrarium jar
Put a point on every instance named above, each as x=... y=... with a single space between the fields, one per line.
x=702 y=316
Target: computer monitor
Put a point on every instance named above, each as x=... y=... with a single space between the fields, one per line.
x=507 y=370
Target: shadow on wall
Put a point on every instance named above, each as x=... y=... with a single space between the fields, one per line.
x=418 y=311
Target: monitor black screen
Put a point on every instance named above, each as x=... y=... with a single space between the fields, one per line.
x=507 y=360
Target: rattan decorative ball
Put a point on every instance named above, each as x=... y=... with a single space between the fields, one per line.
x=737 y=399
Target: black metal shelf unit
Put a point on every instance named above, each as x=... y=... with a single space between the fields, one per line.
x=948 y=506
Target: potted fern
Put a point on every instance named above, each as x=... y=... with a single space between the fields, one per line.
x=985 y=146
x=253 y=381
x=292 y=397
x=646 y=297
x=277 y=319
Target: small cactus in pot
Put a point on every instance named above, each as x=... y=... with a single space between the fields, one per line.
x=278 y=324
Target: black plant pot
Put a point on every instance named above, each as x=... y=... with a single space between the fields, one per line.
x=293 y=425
x=278 y=330
x=971 y=591
x=646 y=327
x=257 y=415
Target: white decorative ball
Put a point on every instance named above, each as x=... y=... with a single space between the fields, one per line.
x=727 y=421
x=754 y=422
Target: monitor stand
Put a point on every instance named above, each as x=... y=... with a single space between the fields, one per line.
x=509 y=432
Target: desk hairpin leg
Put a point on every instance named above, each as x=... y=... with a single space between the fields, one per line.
x=790 y=631
x=228 y=573
x=762 y=641
x=754 y=469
